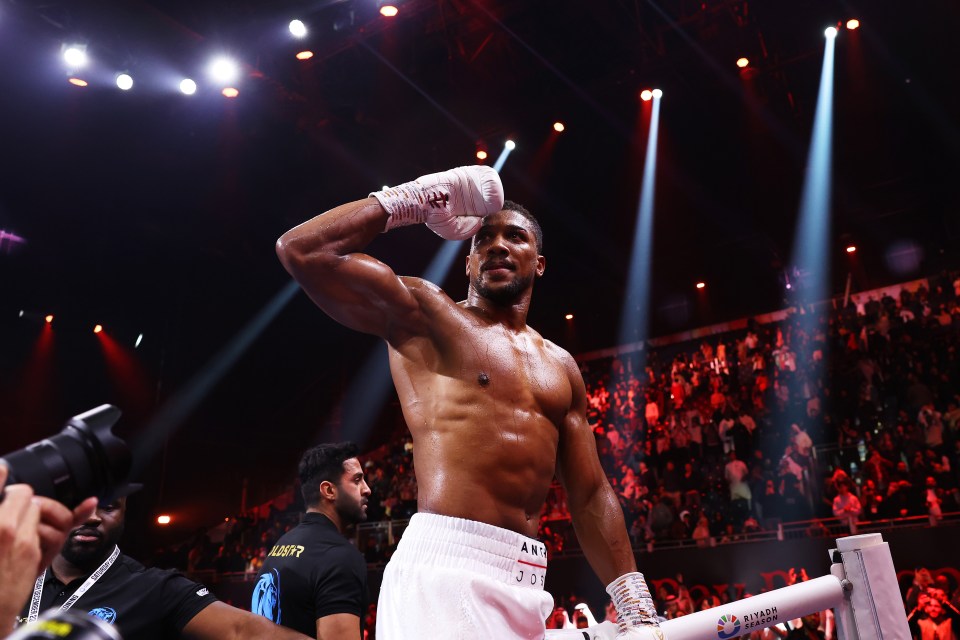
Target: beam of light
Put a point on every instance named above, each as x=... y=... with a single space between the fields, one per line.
x=502 y=158
x=813 y=223
x=37 y=382
x=127 y=375
x=10 y=239
x=191 y=394
x=634 y=317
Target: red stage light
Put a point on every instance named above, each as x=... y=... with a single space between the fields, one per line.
x=569 y=316
x=558 y=127
x=743 y=63
x=98 y=329
x=481 y=155
x=701 y=285
x=230 y=92
x=851 y=249
x=304 y=55
x=49 y=319
x=164 y=519
x=389 y=10
x=646 y=95
x=852 y=24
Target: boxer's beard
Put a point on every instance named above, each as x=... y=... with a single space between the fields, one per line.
x=506 y=294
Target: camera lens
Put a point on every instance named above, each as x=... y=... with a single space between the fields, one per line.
x=84 y=459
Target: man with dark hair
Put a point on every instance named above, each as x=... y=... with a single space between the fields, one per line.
x=91 y=575
x=313 y=580
x=495 y=411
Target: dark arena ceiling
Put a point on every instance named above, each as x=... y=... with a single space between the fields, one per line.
x=155 y=213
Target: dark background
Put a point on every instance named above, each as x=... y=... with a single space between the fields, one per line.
x=152 y=212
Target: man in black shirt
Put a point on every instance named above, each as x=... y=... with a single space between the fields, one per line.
x=91 y=575
x=313 y=580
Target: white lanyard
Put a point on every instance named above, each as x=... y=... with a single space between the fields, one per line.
x=96 y=575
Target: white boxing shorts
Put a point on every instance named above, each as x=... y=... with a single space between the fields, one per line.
x=458 y=579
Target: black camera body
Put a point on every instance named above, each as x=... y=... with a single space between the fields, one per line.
x=85 y=459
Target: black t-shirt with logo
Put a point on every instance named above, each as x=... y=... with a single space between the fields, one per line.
x=142 y=603
x=312 y=572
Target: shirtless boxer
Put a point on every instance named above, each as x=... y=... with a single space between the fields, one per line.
x=495 y=412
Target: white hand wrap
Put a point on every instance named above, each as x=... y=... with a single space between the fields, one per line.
x=452 y=203
x=636 y=612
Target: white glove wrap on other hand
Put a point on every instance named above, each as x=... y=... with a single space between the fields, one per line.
x=636 y=612
x=452 y=203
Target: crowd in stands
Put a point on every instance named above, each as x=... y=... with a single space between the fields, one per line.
x=850 y=411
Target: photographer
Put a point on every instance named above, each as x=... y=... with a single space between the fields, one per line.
x=91 y=575
x=32 y=531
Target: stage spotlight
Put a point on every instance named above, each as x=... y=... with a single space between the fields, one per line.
x=481 y=155
x=78 y=82
x=304 y=55
x=646 y=95
x=389 y=10
x=297 y=28
x=224 y=70
x=569 y=316
x=510 y=144
x=743 y=63
x=558 y=127
x=188 y=87
x=701 y=285
x=98 y=329
x=164 y=519
x=830 y=32
x=75 y=56
x=20 y=315
x=49 y=319
x=851 y=249
x=136 y=344
x=230 y=92
x=124 y=82
x=852 y=24
x=657 y=93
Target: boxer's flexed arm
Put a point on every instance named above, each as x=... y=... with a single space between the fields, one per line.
x=594 y=508
x=323 y=254
x=598 y=519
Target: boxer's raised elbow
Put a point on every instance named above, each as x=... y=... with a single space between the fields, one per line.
x=298 y=254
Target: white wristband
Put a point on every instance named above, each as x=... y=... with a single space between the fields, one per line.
x=632 y=599
x=403 y=204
